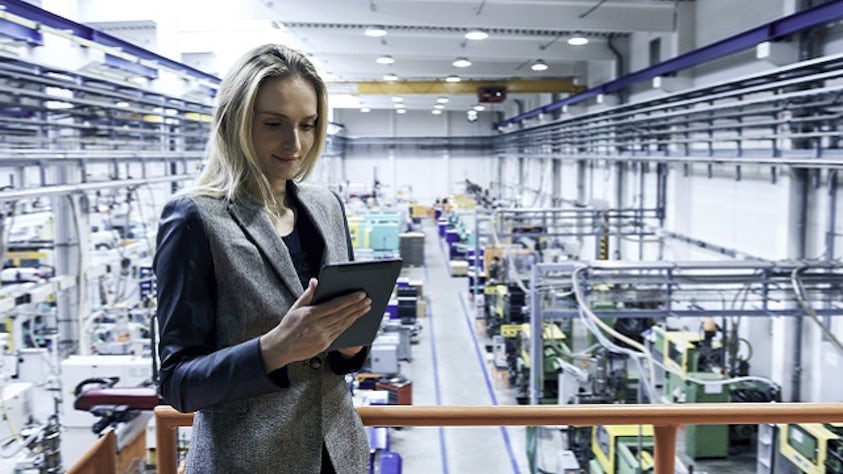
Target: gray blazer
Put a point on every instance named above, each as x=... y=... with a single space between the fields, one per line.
x=224 y=278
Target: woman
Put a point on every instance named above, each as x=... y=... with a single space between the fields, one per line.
x=240 y=343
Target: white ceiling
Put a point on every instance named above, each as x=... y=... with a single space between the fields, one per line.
x=423 y=37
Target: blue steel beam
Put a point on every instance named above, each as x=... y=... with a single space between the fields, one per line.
x=20 y=33
x=43 y=17
x=776 y=29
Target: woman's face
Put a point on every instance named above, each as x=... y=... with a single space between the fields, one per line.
x=284 y=127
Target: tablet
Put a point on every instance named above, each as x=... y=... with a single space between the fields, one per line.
x=375 y=277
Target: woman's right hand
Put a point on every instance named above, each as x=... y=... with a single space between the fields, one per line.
x=308 y=330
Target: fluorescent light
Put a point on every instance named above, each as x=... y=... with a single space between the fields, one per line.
x=453 y=78
x=539 y=65
x=365 y=110
x=375 y=31
x=401 y=111
x=442 y=100
x=578 y=39
x=436 y=112
x=476 y=34
x=386 y=59
x=461 y=62
x=390 y=77
x=58 y=105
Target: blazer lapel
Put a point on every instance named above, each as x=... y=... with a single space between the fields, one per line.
x=321 y=218
x=259 y=229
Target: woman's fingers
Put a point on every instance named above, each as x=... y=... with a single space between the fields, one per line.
x=307 y=297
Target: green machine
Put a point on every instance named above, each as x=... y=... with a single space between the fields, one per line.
x=553 y=347
x=706 y=441
x=621 y=449
x=813 y=448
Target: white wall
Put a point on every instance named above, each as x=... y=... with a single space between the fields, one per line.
x=414 y=123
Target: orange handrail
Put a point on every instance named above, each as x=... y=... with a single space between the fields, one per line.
x=102 y=457
x=665 y=418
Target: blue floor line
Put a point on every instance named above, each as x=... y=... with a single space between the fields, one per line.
x=442 y=449
x=446 y=257
x=506 y=441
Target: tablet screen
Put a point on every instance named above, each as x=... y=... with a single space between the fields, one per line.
x=376 y=278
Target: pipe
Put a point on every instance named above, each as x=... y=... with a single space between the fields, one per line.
x=619 y=65
x=803 y=180
x=832 y=215
x=822 y=14
x=43 y=17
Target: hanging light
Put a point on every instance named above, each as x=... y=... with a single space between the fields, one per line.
x=375 y=31
x=461 y=62
x=453 y=78
x=476 y=34
x=390 y=77
x=385 y=59
x=578 y=38
x=539 y=65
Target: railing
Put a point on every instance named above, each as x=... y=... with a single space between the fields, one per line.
x=102 y=457
x=664 y=418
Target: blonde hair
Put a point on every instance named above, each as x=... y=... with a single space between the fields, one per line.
x=232 y=168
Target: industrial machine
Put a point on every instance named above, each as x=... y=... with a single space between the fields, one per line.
x=621 y=449
x=812 y=448
x=519 y=358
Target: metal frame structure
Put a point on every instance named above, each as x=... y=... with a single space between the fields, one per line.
x=684 y=289
x=786 y=117
x=70 y=135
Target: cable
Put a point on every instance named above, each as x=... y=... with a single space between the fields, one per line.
x=590 y=318
x=643 y=352
x=799 y=291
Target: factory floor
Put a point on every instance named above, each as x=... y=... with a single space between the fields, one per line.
x=451 y=366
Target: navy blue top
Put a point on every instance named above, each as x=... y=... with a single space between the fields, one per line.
x=306 y=248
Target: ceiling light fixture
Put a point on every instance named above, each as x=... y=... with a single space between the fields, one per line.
x=453 y=78
x=399 y=105
x=578 y=38
x=365 y=110
x=461 y=62
x=436 y=112
x=386 y=59
x=442 y=100
x=375 y=31
x=476 y=34
x=397 y=98
x=401 y=111
x=479 y=108
x=439 y=106
x=390 y=77
x=539 y=65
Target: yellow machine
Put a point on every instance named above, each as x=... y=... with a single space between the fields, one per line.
x=813 y=448
x=30 y=257
x=616 y=449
